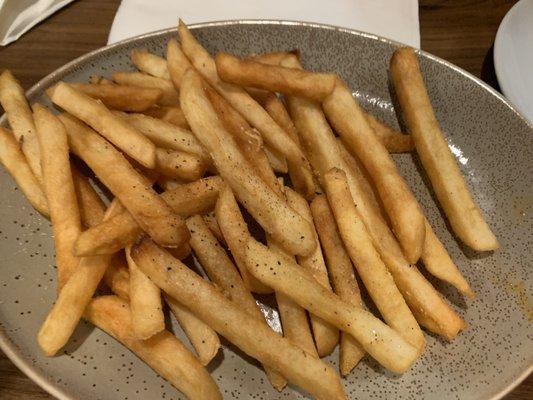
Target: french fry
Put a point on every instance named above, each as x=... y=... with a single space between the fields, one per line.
x=170 y=96
x=439 y=163
x=165 y=354
x=59 y=189
x=100 y=80
x=172 y=114
x=277 y=161
x=150 y=63
x=393 y=140
x=74 y=296
x=236 y=325
x=96 y=115
x=111 y=236
x=91 y=206
x=179 y=164
x=271 y=132
x=379 y=340
x=342 y=277
x=204 y=339
x=224 y=274
x=403 y=210
x=274 y=78
x=18 y=112
x=146 y=306
x=373 y=272
x=120 y=97
x=275 y=57
x=177 y=62
x=272 y=213
x=117 y=276
x=149 y=211
x=16 y=164
x=211 y=221
x=326 y=336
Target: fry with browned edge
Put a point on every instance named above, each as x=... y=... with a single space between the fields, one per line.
x=393 y=140
x=179 y=164
x=170 y=96
x=150 y=63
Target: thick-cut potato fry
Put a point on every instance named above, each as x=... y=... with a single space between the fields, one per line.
x=59 y=189
x=179 y=164
x=16 y=164
x=275 y=57
x=18 y=112
x=236 y=325
x=393 y=140
x=177 y=62
x=274 y=78
x=224 y=274
x=326 y=336
x=120 y=97
x=117 y=276
x=146 y=305
x=373 y=272
x=91 y=206
x=150 y=63
x=272 y=133
x=403 y=210
x=204 y=339
x=165 y=354
x=342 y=277
x=150 y=211
x=170 y=96
x=446 y=179
x=187 y=199
x=96 y=115
x=172 y=114
x=74 y=297
x=379 y=340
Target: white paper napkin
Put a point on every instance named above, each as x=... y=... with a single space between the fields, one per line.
x=394 y=19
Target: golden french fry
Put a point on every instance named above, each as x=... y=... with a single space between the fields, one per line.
x=274 y=78
x=379 y=340
x=172 y=114
x=211 y=221
x=150 y=211
x=119 y=97
x=146 y=305
x=224 y=274
x=179 y=164
x=165 y=354
x=236 y=325
x=100 y=80
x=117 y=276
x=91 y=206
x=275 y=57
x=59 y=189
x=170 y=96
x=446 y=179
x=18 y=112
x=403 y=210
x=150 y=63
x=177 y=62
x=111 y=236
x=16 y=164
x=277 y=161
x=342 y=277
x=393 y=140
x=326 y=336
x=73 y=297
x=96 y=115
x=272 y=213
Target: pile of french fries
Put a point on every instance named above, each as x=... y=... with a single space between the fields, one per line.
x=190 y=143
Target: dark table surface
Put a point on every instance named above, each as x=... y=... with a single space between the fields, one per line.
x=460 y=31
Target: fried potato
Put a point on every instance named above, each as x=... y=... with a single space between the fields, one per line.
x=96 y=115
x=177 y=62
x=149 y=211
x=211 y=221
x=150 y=63
x=236 y=325
x=117 y=276
x=393 y=140
x=179 y=164
x=170 y=96
x=275 y=57
x=172 y=114
x=439 y=163
x=19 y=116
x=91 y=206
x=165 y=354
x=100 y=80
x=16 y=164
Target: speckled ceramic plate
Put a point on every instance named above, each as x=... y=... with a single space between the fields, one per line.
x=493 y=145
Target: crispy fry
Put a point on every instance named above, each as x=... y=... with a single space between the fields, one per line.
x=91 y=206
x=275 y=57
x=393 y=140
x=96 y=115
x=172 y=114
x=59 y=189
x=117 y=276
x=236 y=325
x=224 y=274
x=405 y=214
x=446 y=179
x=342 y=277
x=277 y=161
x=179 y=164
x=170 y=96
x=272 y=213
x=380 y=341
x=177 y=62
x=274 y=78
x=110 y=236
x=162 y=352
x=16 y=164
x=211 y=221
x=150 y=212
x=150 y=63
x=120 y=97
x=13 y=100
